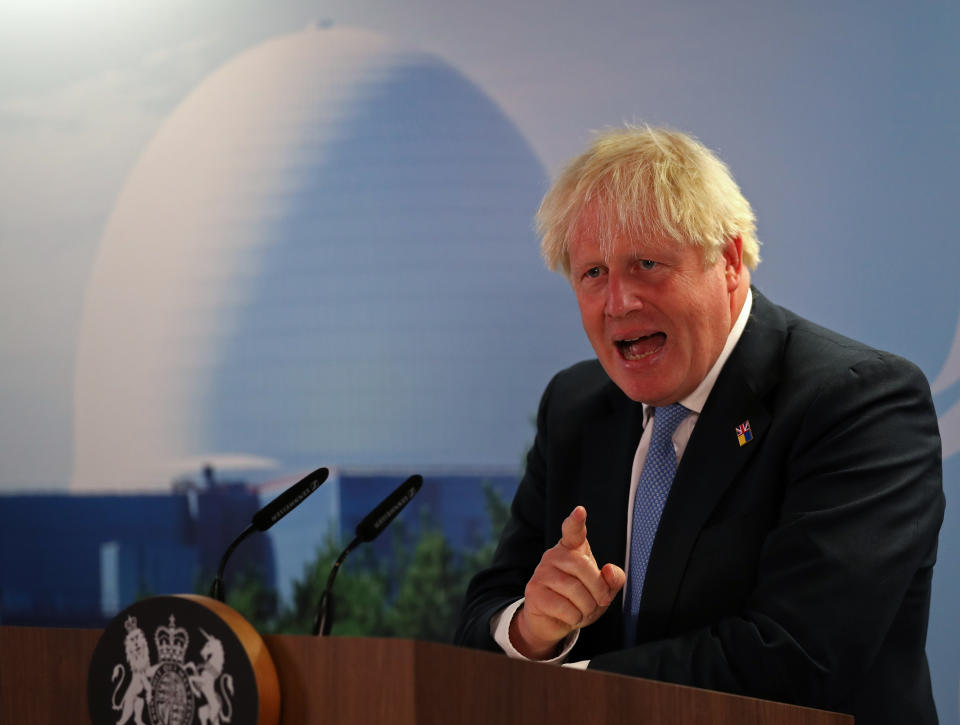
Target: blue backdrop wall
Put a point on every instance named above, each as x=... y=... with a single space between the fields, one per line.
x=274 y=236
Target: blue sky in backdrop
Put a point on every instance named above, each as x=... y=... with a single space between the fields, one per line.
x=839 y=120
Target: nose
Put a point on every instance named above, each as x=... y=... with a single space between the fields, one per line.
x=622 y=298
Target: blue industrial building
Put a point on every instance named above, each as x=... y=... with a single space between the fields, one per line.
x=76 y=560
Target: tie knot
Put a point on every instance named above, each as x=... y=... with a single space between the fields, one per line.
x=667 y=418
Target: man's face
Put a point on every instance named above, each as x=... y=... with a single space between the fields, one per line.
x=656 y=317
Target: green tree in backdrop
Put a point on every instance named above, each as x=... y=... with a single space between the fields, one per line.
x=415 y=593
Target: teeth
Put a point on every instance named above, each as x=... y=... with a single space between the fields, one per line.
x=638 y=348
x=627 y=355
x=633 y=340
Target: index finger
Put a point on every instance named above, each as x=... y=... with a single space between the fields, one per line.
x=574 y=529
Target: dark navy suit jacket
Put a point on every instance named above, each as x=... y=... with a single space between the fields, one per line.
x=795 y=567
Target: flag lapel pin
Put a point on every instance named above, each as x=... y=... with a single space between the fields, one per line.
x=744 y=435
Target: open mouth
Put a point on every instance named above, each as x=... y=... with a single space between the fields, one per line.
x=638 y=348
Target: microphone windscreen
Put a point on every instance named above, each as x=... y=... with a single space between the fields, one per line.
x=378 y=519
x=288 y=500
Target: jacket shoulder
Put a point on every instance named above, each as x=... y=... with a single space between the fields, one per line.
x=811 y=351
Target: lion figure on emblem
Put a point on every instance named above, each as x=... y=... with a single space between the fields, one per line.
x=203 y=682
x=138 y=692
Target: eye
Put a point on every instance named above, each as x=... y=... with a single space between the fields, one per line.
x=592 y=273
x=647 y=264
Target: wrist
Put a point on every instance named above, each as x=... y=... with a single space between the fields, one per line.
x=528 y=644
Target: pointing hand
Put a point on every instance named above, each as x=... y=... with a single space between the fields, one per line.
x=567 y=591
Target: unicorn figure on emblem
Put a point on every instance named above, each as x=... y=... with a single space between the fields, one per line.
x=203 y=682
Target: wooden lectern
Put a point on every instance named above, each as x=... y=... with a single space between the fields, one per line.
x=349 y=681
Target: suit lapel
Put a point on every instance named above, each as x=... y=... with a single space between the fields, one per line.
x=605 y=481
x=712 y=459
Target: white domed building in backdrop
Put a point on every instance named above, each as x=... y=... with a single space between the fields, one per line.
x=324 y=257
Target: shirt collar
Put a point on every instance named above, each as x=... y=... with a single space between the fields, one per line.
x=695 y=401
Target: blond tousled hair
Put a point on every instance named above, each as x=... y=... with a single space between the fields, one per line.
x=648 y=182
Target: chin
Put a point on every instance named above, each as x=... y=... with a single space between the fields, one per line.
x=649 y=389
x=639 y=393
x=655 y=393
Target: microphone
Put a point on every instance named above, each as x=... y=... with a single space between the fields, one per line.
x=367 y=530
x=268 y=516
x=378 y=519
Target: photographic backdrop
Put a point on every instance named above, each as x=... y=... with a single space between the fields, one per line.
x=263 y=237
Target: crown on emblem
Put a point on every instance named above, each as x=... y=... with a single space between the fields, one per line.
x=171 y=642
x=130 y=623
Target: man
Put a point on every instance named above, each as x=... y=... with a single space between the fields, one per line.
x=764 y=495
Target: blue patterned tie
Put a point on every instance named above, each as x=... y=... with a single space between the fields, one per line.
x=649 y=499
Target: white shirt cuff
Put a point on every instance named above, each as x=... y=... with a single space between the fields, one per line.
x=500 y=631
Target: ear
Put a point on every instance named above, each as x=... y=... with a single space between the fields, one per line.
x=733 y=262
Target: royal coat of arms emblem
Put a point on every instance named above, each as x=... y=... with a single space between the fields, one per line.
x=170 y=689
x=181 y=660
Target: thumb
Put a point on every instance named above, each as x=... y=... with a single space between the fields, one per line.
x=614 y=577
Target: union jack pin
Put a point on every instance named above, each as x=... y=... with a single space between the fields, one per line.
x=744 y=435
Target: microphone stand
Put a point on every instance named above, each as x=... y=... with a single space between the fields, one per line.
x=367 y=530
x=268 y=516
x=216 y=588
x=323 y=621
